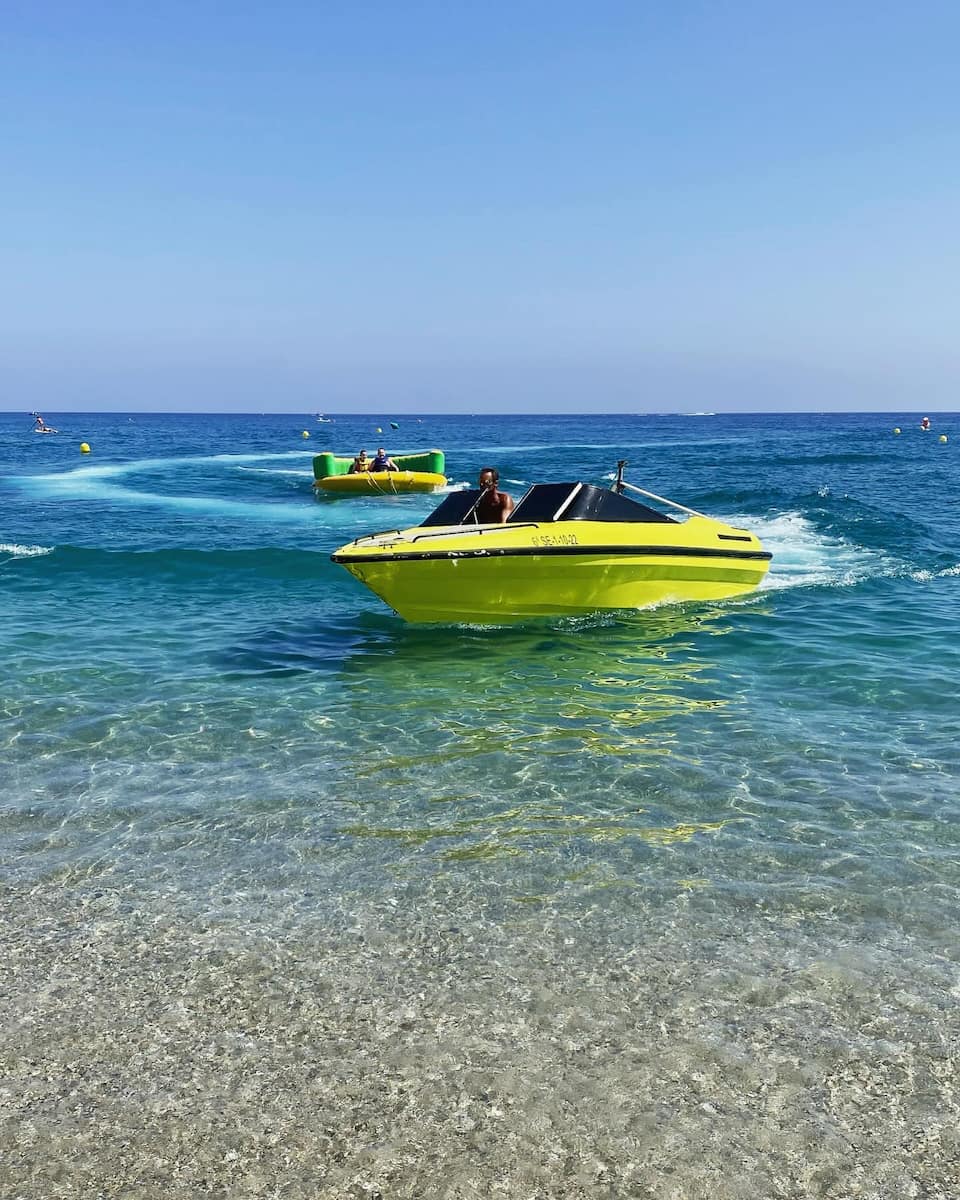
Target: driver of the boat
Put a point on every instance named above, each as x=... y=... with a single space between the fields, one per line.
x=359 y=463
x=494 y=506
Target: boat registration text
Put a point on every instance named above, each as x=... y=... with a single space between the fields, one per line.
x=554 y=539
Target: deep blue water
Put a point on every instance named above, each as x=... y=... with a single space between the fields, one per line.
x=200 y=709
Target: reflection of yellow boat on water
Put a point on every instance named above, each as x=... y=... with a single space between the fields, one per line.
x=566 y=549
x=420 y=471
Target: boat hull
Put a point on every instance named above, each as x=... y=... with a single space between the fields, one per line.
x=503 y=575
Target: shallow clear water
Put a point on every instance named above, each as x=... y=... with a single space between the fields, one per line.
x=664 y=901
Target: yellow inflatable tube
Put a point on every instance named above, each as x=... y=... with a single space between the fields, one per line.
x=419 y=471
x=381 y=483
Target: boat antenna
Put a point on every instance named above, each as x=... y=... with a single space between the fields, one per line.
x=618 y=486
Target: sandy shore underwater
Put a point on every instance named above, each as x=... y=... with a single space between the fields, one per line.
x=509 y=1050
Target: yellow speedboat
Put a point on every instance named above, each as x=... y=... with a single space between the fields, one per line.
x=419 y=471
x=566 y=549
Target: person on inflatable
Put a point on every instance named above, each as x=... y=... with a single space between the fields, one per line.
x=359 y=464
x=383 y=462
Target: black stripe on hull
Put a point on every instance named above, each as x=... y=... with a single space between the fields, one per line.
x=557 y=552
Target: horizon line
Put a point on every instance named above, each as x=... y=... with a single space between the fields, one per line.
x=746 y=412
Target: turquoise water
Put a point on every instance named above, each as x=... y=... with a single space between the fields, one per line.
x=579 y=908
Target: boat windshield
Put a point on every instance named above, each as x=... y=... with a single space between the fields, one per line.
x=546 y=502
x=455 y=509
x=582 y=502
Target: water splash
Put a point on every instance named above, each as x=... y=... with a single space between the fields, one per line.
x=803 y=556
x=12 y=550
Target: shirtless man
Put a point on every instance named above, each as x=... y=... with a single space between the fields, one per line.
x=494 y=506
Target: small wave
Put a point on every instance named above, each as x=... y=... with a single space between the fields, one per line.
x=620 y=447
x=267 y=562
x=274 y=456
x=832 y=458
x=275 y=471
x=15 y=550
x=805 y=557
x=99 y=487
x=99 y=471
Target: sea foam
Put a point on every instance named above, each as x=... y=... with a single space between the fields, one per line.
x=15 y=550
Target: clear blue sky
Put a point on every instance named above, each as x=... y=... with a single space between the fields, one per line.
x=435 y=207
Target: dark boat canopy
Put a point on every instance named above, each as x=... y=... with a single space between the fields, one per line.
x=455 y=509
x=581 y=502
x=547 y=502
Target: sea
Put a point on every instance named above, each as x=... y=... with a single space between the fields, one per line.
x=299 y=900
